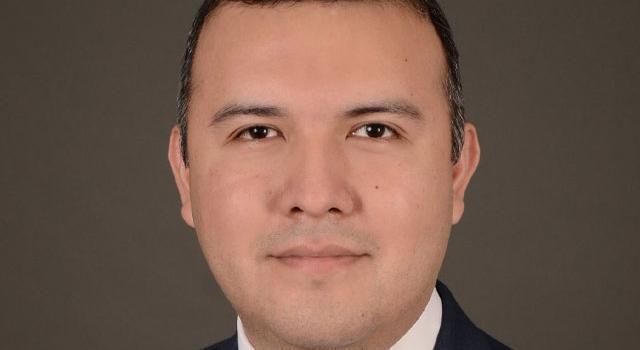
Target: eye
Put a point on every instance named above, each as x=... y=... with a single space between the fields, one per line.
x=376 y=131
x=257 y=132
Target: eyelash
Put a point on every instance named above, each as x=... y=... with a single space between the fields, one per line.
x=393 y=131
x=395 y=134
x=246 y=131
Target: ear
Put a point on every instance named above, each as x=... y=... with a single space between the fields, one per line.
x=181 y=175
x=463 y=170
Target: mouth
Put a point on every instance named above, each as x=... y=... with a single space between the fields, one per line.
x=318 y=259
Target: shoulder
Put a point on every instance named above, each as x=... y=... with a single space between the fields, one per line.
x=457 y=331
x=227 y=344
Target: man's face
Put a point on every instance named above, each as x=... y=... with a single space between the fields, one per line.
x=324 y=221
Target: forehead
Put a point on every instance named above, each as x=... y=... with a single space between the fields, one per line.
x=315 y=50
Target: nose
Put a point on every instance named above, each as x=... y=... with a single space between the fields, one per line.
x=317 y=182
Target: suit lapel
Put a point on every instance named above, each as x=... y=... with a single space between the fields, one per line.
x=457 y=332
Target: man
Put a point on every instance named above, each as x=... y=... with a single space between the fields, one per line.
x=319 y=156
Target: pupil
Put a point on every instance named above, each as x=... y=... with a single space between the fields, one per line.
x=375 y=130
x=259 y=132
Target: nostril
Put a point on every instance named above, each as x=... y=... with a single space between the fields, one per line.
x=332 y=210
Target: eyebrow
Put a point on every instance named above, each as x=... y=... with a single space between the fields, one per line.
x=235 y=110
x=400 y=108
x=397 y=107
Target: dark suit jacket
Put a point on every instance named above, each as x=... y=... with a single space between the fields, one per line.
x=457 y=332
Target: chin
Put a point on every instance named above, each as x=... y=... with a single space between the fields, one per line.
x=321 y=325
x=328 y=335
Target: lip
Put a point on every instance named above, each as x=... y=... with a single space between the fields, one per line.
x=318 y=259
x=328 y=250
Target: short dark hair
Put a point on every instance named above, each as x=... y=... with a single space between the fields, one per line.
x=428 y=9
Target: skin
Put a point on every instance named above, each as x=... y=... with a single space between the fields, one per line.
x=318 y=177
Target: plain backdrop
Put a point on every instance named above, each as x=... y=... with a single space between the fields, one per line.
x=94 y=255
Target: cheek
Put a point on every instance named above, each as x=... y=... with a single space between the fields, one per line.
x=228 y=217
x=409 y=210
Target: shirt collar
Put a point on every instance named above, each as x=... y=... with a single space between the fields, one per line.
x=422 y=335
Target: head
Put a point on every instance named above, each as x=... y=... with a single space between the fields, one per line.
x=322 y=156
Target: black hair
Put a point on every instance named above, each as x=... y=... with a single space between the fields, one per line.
x=428 y=9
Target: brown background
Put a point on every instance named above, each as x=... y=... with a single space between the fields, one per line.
x=93 y=254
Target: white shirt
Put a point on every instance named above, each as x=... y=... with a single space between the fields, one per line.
x=422 y=335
